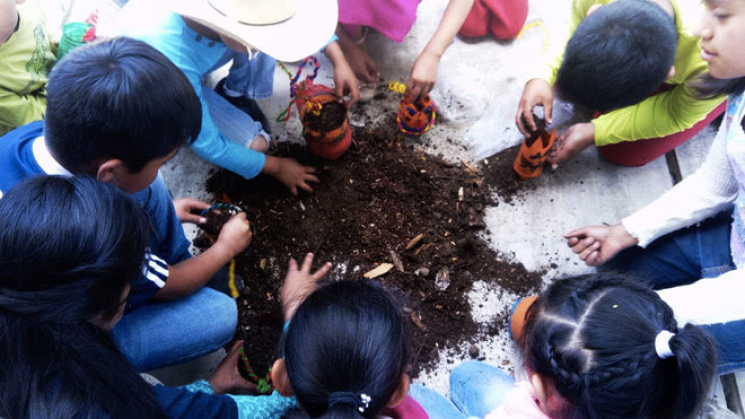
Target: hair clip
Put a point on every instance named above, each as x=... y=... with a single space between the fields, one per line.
x=662 y=344
x=364 y=402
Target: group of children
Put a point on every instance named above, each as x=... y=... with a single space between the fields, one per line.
x=97 y=282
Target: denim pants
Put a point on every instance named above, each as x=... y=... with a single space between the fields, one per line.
x=476 y=389
x=254 y=78
x=682 y=257
x=160 y=334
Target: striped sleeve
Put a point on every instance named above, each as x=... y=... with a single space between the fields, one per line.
x=153 y=278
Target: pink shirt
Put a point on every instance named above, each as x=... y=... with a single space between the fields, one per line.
x=392 y=18
x=519 y=403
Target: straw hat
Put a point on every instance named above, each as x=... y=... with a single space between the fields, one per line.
x=288 y=30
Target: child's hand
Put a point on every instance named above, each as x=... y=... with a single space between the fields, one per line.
x=226 y=378
x=571 y=142
x=345 y=82
x=598 y=244
x=362 y=64
x=299 y=284
x=537 y=92
x=294 y=175
x=423 y=75
x=235 y=235
x=185 y=206
x=344 y=78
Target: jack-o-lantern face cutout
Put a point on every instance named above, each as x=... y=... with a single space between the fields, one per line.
x=416 y=118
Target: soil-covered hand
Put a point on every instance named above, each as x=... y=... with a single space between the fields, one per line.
x=598 y=244
x=537 y=92
x=294 y=175
x=184 y=208
x=226 y=378
x=235 y=235
x=299 y=284
x=423 y=75
x=571 y=142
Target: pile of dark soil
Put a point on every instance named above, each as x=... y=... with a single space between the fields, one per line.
x=382 y=202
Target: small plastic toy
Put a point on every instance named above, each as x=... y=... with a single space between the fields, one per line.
x=414 y=118
x=534 y=152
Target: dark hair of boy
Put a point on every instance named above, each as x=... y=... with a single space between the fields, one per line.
x=118 y=99
x=68 y=248
x=618 y=55
x=595 y=338
x=346 y=338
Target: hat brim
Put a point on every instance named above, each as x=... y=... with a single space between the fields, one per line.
x=302 y=35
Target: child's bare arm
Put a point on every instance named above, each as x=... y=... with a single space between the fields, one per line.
x=186 y=277
x=344 y=78
x=362 y=64
x=424 y=71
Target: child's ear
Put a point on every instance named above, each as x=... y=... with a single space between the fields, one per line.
x=401 y=391
x=109 y=170
x=279 y=378
x=550 y=400
x=671 y=73
x=593 y=8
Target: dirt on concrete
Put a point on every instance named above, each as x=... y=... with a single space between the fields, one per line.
x=383 y=202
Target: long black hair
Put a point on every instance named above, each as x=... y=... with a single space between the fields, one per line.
x=68 y=248
x=346 y=350
x=594 y=337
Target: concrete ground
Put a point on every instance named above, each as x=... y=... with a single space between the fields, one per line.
x=478 y=87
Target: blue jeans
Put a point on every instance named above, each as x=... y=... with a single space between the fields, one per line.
x=476 y=389
x=682 y=257
x=254 y=78
x=160 y=334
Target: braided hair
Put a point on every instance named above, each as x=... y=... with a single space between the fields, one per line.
x=594 y=338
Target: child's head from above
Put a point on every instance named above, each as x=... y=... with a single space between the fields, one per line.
x=594 y=349
x=8 y=18
x=69 y=246
x=346 y=352
x=618 y=55
x=117 y=110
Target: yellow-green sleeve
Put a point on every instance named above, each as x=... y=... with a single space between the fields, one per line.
x=657 y=116
x=20 y=110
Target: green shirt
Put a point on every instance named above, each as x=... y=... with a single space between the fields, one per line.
x=25 y=60
x=657 y=116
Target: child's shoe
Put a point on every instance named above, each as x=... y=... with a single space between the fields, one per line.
x=246 y=104
x=533 y=154
x=416 y=118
